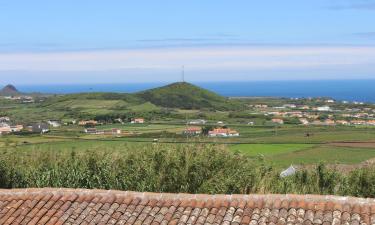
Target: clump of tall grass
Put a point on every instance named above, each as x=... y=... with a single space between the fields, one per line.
x=172 y=168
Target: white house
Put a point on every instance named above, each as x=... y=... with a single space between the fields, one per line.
x=324 y=108
x=54 y=123
x=197 y=122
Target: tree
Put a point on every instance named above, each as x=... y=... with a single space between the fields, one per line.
x=206 y=129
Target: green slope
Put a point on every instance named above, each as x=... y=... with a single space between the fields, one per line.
x=184 y=95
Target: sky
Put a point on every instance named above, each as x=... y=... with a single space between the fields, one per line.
x=120 y=41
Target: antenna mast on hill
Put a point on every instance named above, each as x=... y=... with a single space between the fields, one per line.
x=183 y=74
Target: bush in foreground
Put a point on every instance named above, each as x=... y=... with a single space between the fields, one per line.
x=173 y=168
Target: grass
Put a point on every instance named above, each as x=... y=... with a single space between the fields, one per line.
x=145 y=128
x=77 y=145
x=90 y=104
x=280 y=147
x=282 y=155
x=324 y=153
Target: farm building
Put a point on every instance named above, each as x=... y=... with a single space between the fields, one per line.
x=87 y=123
x=16 y=128
x=40 y=128
x=91 y=131
x=112 y=131
x=223 y=132
x=138 y=120
x=324 y=109
x=192 y=131
x=197 y=122
x=342 y=122
x=278 y=121
x=54 y=123
x=5 y=130
x=4 y=119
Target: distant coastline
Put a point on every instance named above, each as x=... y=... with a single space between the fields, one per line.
x=348 y=90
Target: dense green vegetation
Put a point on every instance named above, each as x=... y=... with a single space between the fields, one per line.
x=170 y=168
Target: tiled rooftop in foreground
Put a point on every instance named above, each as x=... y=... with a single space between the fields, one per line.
x=81 y=206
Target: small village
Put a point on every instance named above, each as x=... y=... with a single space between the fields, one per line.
x=319 y=112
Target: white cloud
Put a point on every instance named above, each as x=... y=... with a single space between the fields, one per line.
x=236 y=58
x=206 y=63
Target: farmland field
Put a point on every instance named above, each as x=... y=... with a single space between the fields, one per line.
x=268 y=150
x=282 y=155
x=278 y=155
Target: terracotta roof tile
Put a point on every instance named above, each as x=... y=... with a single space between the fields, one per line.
x=79 y=206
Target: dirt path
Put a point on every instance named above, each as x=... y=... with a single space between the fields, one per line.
x=353 y=144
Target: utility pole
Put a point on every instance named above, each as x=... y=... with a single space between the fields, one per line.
x=183 y=74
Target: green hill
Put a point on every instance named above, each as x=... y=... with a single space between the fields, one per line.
x=184 y=95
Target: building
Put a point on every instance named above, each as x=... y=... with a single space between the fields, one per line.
x=5 y=130
x=223 y=132
x=113 y=131
x=197 y=122
x=91 y=131
x=358 y=122
x=16 y=128
x=324 y=109
x=278 y=121
x=40 y=128
x=261 y=106
x=4 y=119
x=192 y=131
x=138 y=120
x=329 y=122
x=342 y=122
x=54 y=123
x=292 y=106
x=88 y=123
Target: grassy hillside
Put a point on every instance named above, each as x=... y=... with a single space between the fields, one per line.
x=83 y=105
x=185 y=96
x=148 y=104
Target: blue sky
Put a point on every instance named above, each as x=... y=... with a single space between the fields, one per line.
x=94 y=41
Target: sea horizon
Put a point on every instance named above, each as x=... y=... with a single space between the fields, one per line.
x=343 y=90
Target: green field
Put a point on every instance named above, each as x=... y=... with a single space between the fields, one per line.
x=268 y=150
x=278 y=155
x=305 y=154
x=327 y=154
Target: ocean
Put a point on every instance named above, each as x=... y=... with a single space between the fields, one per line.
x=349 y=90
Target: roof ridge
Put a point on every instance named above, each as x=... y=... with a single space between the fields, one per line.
x=166 y=195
